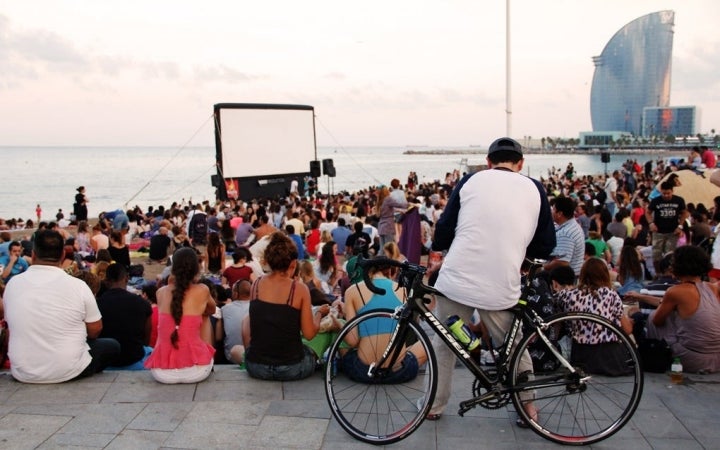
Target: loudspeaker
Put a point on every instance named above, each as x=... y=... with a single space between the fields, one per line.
x=328 y=167
x=315 y=169
x=605 y=157
x=215 y=180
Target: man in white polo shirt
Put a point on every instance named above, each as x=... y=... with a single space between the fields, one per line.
x=53 y=320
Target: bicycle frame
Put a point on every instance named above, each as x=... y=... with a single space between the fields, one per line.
x=565 y=403
x=416 y=307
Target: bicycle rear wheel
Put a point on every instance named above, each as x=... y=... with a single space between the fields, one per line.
x=379 y=411
x=594 y=402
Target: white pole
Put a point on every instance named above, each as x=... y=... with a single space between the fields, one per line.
x=508 y=102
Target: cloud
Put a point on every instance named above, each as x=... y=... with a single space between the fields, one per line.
x=37 y=46
x=224 y=73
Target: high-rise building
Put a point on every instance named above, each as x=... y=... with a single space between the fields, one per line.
x=631 y=73
x=675 y=121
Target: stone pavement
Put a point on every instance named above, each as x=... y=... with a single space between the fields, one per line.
x=129 y=410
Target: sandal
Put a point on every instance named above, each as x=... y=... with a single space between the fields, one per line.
x=520 y=423
x=433 y=417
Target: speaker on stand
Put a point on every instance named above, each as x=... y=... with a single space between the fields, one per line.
x=605 y=158
x=329 y=170
x=315 y=169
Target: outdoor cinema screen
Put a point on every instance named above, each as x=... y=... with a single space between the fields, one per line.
x=258 y=139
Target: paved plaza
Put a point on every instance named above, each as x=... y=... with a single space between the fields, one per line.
x=129 y=410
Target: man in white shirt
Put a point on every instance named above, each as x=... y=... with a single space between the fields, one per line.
x=492 y=221
x=610 y=188
x=53 y=320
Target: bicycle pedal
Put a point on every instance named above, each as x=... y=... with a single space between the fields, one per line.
x=467 y=405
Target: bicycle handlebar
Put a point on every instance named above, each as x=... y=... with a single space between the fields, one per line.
x=405 y=267
x=409 y=272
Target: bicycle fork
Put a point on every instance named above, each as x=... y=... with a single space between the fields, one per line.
x=402 y=314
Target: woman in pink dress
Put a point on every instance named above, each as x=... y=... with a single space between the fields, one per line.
x=181 y=355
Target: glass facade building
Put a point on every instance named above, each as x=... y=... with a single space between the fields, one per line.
x=633 y=72
x=675 y=120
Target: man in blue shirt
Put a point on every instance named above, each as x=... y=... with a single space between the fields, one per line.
x=6 y=238
x=340 y=235
x=290 y=231
x=13 y=263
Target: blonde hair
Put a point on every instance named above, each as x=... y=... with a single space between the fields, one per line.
x=392 y=251
x=382 y=194
x=100 y=268
x=306 y=270
x=325 y=236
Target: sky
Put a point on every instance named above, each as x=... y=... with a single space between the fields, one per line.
x=377 y=72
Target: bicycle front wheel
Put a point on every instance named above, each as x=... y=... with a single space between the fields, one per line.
x=390 y=406
x=589 y=403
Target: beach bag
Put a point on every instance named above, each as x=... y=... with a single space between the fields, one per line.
x=655 y=355
x=539 y=298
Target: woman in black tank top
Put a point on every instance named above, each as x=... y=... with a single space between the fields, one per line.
x=280 y=312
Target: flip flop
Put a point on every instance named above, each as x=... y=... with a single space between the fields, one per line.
x=520 y=423
x=433 y=417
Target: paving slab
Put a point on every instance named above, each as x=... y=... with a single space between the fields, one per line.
x=160 y=416
x=21 y=431
x=138 y=440
x=289 y=432
x=129 y=410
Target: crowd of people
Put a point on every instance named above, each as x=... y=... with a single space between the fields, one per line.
x=266 y=283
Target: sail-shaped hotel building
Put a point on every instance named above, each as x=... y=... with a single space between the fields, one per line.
x=632 y=73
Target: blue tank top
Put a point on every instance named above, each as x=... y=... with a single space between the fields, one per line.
x=387 y=301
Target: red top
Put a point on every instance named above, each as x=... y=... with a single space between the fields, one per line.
x=191 y=349
x=312 y=241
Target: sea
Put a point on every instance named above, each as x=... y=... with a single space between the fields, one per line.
x=123 y=177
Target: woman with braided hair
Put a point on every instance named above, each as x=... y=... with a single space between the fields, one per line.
x=181 y=354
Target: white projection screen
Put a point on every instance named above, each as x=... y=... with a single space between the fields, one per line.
x=257 y=140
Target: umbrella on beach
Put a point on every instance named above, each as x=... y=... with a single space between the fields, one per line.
x=695 y=188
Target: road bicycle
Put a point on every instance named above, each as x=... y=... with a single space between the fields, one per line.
x=576 y=403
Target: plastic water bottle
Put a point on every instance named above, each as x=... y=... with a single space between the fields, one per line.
x=462 y=332
x=676 y=372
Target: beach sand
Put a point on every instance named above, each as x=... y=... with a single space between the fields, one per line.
x=151 y=271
